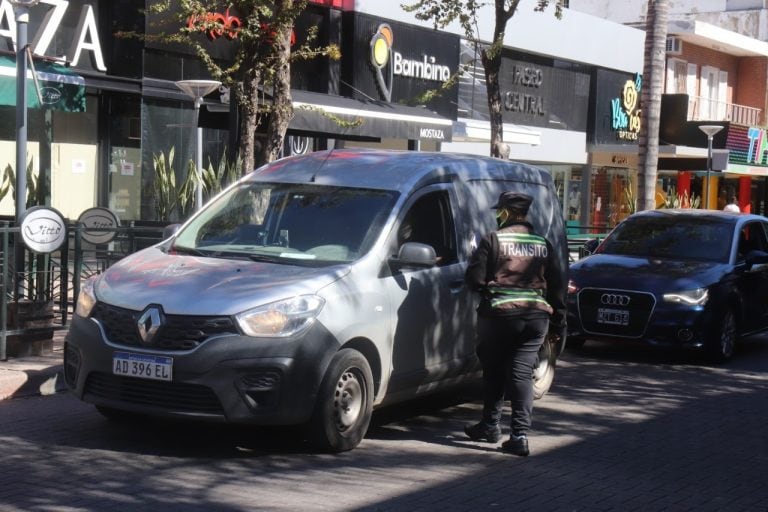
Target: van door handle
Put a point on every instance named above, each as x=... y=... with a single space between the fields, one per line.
x=456 y=286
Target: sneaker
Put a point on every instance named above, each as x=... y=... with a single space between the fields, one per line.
x=516 y=446
x=483 y=432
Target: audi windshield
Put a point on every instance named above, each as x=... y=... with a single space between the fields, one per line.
x=288 y=223
x=675 y=237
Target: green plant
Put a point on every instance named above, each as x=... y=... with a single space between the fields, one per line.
x=172 y=201
x=35 y=189
x=675 y=200
x=215 y=179
x=630 y=199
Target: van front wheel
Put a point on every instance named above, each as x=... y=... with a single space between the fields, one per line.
x=344 y=403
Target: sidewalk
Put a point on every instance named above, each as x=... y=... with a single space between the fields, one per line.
x=34 y=375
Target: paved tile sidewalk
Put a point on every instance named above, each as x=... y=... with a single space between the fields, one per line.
x=34 y=375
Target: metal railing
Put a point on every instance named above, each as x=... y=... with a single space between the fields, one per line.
x=55 y=279
x=707 y=109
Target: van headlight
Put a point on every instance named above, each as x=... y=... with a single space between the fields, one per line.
x=86 y=299
x=282 y=318
x=697 y=297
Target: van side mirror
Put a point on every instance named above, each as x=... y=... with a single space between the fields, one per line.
x=170 y=230
x=414 y=255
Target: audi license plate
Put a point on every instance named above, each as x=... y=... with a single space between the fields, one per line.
x=142 y=365
x=612 y=316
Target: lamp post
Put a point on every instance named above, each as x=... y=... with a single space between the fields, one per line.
x=197 y=89
x=21 y=17
x=710 y=130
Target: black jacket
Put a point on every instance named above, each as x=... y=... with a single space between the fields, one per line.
x=515 y=270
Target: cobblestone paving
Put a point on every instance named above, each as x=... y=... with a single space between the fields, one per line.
x=623 y=429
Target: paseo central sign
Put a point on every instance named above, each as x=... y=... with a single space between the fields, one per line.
x=85 y=37
x=526 y=101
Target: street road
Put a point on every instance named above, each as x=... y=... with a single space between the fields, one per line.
x=624 y=428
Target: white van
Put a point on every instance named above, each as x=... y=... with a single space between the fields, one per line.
x=309 y=292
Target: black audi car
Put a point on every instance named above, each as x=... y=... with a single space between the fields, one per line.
x=676 y=278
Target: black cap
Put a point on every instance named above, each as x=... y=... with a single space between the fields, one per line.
x=513 y=201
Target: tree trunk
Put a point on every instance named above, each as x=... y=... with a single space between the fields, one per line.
x=492 y=64
x=282 y=103
x=491 y=58
x=249 y=121
x=653 y=76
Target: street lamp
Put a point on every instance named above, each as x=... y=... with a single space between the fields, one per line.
x=21 y=16
x=197 y=89
x=710 y=130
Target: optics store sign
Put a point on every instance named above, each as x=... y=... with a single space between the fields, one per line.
x=625 y=114
x=84 y=38
x=43 y=230
x=388 y=63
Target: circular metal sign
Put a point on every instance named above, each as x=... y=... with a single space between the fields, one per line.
x=100 y=225
x=43 y=229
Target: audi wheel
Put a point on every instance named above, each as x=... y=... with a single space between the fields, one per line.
x=722 y=340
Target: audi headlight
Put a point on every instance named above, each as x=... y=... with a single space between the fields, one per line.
x=697 y=297
x=282 y=318
x=86 y=299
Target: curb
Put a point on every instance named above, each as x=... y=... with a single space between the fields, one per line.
x=34 y=375
x=26 y=377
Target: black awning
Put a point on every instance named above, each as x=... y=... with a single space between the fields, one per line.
x=339 y=117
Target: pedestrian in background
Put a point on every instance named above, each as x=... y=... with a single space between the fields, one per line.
x=514 y=270
x=733 y=206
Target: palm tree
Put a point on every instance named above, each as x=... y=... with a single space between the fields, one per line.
x=653 y=76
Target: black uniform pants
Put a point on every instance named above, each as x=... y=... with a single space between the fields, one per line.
x=508 y=349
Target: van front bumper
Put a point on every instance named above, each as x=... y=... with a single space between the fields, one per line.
x=230 y=378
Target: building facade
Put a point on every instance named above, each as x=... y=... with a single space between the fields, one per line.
x=716 y=75
x=119 y=115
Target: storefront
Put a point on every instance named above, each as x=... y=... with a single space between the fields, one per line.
x=738 y=168
x=83 y=137
x=544 y=110
x=609 y=195
x=126 y=115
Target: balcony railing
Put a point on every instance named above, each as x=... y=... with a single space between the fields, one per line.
x=706 y=109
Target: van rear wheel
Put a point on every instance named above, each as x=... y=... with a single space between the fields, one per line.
x=344 y=404
x=544 y=373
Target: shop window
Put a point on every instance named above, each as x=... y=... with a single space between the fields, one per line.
x=430 y=221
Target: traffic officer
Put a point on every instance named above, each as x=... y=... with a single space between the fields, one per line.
x=514 y=270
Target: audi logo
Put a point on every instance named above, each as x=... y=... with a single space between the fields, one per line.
x=614 y=299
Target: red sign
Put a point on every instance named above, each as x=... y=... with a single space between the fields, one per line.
x=215 y=24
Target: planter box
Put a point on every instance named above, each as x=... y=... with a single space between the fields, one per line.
x=35 y=321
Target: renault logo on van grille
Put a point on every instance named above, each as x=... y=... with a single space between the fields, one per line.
x=149 y=323
x=614 y=299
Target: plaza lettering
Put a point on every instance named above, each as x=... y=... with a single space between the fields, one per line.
x=85 y=38
x=425 y=69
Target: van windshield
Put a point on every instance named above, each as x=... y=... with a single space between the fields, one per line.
x=288 y=223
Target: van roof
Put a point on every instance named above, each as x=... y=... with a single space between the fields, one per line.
x=393 y=169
